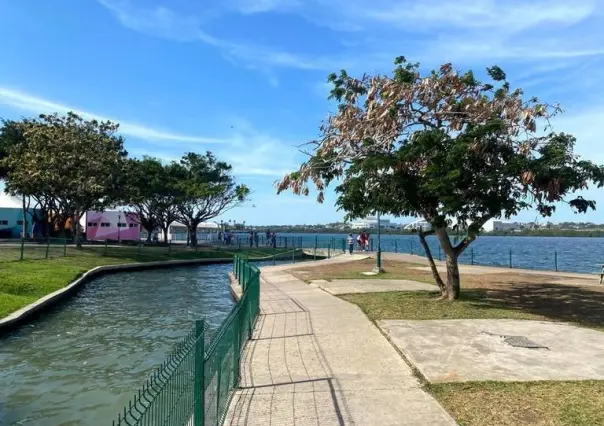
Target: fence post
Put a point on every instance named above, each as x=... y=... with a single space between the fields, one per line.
x=47 y=246
x=199 y=391
x=510 y=258
x=170 y=248
x=395 y=247
x=371 y=244
x=411 y=246
x=315 y=251
x=22 y=247
x=329 y=251
x=439 y=253
x=64 y=247
x=286 y=243
x=274 y=255
x=105 y=252
x=472 y=254
x=293 y=250
x=556 y=260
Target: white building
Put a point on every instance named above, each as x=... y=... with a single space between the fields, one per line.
x=500 y=225
x=177 y=233
x=418 y=224
x=370 y=222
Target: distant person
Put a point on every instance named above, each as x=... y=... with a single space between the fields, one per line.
x=274 y=239
x=256 y=239
x=360 y=241
x=367 y=241
x=251 y=239
x=350 y=243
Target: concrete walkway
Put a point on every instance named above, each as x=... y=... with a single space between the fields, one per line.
x=317 y=360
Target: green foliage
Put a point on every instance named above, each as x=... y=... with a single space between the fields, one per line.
x=206 y=188
x=73 y=164
x=445 y=147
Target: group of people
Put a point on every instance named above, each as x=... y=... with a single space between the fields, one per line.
x=362 y=241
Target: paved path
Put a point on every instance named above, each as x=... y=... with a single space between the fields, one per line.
x=317 y=360
x=348 y=286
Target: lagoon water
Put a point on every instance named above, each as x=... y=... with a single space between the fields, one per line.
x=81 y=362
x=569 y=254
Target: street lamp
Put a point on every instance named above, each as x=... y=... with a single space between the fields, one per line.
x=378 y=263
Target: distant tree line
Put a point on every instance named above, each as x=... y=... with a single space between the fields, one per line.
x=64 y=166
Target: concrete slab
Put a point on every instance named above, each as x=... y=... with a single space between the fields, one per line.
x=472 y=350
x=371 y=286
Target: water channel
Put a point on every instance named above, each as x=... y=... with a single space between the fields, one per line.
x=80 y=363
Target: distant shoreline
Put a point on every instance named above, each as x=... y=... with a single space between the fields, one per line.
x=543 y=233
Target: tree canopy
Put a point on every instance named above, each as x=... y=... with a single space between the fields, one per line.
x=206 y=189
x=69 y=165
x=445 y=147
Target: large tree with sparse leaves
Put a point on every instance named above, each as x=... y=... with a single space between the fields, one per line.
x=445 y=147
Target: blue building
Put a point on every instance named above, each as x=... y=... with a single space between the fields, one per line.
x=11 y=217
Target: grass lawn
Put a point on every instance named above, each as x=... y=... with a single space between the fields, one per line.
x=424 y=306
x=511 y=294
x=523 y=403
x=22 y=283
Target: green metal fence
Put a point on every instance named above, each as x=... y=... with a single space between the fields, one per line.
x=29 y=249
x=195 y=384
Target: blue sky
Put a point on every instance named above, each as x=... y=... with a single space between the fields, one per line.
x=246 y=78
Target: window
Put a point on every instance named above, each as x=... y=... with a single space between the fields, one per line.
x=133 y=225
x=92 y=224
x=3 y=222
x=122 y=225
x=105 y=224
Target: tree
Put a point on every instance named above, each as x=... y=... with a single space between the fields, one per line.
x=444 y=147
x=207 y=189
x=145 y=190
x=74 y=163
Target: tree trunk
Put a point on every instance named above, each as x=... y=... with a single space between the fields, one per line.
x=165 y=232
x=75 y=225
x=192 y=230
x=437 y=278
x=452 y=286
x=24 y=231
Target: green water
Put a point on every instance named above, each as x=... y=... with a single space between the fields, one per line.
x=80 y=363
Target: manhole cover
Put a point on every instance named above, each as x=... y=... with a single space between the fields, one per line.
x=518 y=341
x=523 y=342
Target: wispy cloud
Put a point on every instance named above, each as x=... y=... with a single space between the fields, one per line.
x=32 y=104
x=465 y=31
x=250 y=151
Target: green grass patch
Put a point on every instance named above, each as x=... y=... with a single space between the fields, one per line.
x=425 y=306
x=549 y=403
x=23 y=282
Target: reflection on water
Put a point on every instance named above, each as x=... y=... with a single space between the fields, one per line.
x=80 y=363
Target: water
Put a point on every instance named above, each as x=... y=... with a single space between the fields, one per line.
x=80 y=363
x=570 y=254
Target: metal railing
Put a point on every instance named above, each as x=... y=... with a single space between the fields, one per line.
x=193 y=387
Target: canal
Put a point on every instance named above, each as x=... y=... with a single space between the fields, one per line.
x=79 y=363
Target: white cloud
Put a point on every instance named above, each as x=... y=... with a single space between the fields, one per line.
x=467 y=31
x=35 y=105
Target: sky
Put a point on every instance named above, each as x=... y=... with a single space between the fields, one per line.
x=246 y=79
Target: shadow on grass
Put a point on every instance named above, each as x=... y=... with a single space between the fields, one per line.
x=579 y=305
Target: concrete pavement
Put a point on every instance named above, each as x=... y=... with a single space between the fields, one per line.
x=317 y=360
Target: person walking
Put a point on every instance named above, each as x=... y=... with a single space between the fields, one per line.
x=350 y=243
x=256 y=239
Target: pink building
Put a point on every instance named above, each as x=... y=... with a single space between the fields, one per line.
x=112 y=225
